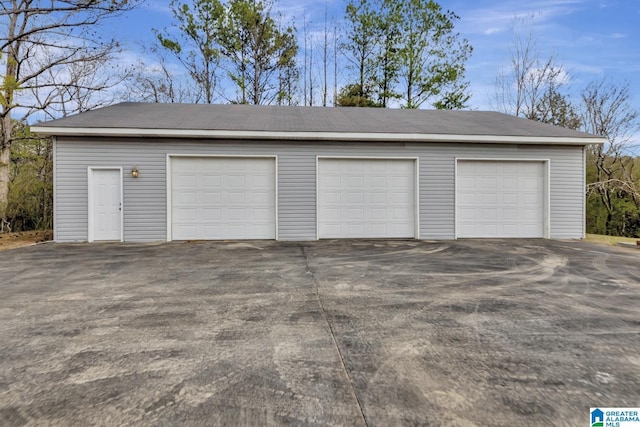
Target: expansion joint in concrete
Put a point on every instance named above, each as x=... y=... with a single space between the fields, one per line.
x=333 y=336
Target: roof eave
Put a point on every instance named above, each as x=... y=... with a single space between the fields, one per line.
x=312 y=136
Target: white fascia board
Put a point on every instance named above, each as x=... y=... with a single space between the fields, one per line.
x=312 y=136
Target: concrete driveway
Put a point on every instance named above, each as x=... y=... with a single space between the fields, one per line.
x=378 y=333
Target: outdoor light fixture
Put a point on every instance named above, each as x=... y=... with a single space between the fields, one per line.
x=135 y=172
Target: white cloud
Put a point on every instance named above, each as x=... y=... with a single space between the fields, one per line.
x=492 y=30
x=499 y=17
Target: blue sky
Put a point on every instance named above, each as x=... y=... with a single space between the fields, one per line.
x=590 y=38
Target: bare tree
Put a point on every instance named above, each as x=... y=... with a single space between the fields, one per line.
x=608 y=112
x=159 y=82
x=325 y=48
x=335 y=62
x=521 y=87
x=89 y=85
x=311 y=72
x=305 y=27
x=45 y=46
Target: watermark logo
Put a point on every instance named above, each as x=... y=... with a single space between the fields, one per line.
x=597 y=417
x=615 y=417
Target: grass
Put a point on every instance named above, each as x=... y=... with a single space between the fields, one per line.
x=609 y=240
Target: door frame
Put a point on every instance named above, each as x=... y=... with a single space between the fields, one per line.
x=169 y=181
x=91 y=197
x=416 y=180
x=546 y=197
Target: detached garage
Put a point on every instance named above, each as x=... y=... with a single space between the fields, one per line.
x=149 y=172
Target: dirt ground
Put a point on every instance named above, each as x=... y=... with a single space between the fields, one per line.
x=24 y=238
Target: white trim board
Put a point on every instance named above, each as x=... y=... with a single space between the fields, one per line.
x=314 y=136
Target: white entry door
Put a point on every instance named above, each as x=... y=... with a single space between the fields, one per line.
x=106 y=204
x=500 y=199
x=366 y=198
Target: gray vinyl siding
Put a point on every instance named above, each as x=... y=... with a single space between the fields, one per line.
x=145 y=198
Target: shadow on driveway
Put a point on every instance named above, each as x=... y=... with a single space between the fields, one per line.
x=529 y=332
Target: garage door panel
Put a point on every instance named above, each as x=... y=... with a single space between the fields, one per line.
x=360 y=198
x=355 y=197
x=187 y=214
x=510 y=214
x=530 y=215
x=489 y=198
x=262 y=182
x=212 y=181
x=210 y=231
x=466 y=215
x=379 y=167
x=531 y=199
x=212 y=214
x=185 y=229
x=403 y=215
x=332 y=197
x=354 y=230
x=510 y=230
x=489 y=214
x=237 y=181
x=236 y=214
x=331 y=181
x=223 y=198
x=378 y=182
x=509 y=198
x=531 y=184
x=185 y=181
x=355 y=214
x=211 y=198
x=466 y=183
x=332 y=214
x=378 y=198
x=510 y=184
x=489 y=183
x=262 y=214
x=379 y=214
x=400 y=182
x=187 y=198
x=379 y=228
x=262 y=197
x=355 y=182
x=236 y=198
x=402 y=198
x=500 y=199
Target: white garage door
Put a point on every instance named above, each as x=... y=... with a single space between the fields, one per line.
x=223 y=198
x=360 y=198
x=500 y=199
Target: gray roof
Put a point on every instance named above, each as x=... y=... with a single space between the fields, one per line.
x=375 y=122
